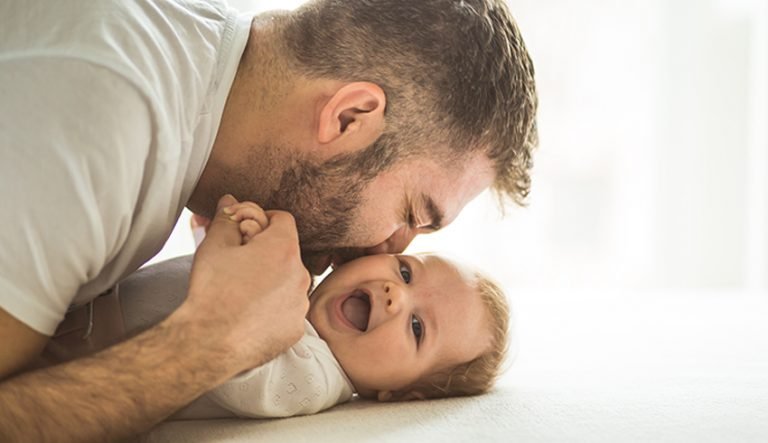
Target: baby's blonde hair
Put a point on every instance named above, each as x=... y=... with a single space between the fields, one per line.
x=478 y=375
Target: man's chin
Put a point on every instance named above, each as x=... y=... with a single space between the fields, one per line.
x=317 y=264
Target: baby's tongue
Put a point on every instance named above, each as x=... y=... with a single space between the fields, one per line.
x=357 y=311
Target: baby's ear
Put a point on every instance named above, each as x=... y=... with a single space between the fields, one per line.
x=384 y=396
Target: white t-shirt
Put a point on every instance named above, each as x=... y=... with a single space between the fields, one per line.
x=108 y=112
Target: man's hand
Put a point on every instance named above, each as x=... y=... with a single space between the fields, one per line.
x=246 y=304
x=248 y=292
x=251 y=217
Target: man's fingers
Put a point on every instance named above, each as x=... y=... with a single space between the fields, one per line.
x=223 y=230
x=249 y=228
x=225 y=201
x=282 y=223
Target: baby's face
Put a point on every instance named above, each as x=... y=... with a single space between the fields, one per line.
x=391 y=320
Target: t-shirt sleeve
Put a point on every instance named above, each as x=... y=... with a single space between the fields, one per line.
x=74 y=139
x=297 y=382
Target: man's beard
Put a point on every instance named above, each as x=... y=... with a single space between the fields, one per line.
x=324 y=200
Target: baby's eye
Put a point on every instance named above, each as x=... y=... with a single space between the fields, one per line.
x=418 y=329
x=405 y=272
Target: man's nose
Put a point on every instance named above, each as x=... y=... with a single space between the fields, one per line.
x=395 y=244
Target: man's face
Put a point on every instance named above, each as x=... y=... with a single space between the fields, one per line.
x=340 y=216
x=392 y=320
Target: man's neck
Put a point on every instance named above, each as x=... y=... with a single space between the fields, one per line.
x=245 y=135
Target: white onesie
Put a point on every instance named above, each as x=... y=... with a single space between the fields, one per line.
x=306 y=379
x=303 y=380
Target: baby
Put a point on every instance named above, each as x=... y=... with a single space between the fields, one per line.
x=385 y=327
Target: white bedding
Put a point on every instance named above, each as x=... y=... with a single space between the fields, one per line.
x=648 y=367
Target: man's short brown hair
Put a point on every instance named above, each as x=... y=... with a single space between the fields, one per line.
x=456 y=74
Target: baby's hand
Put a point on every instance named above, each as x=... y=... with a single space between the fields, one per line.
x=251 y=217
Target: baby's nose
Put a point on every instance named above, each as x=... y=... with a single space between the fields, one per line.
x=393 y=298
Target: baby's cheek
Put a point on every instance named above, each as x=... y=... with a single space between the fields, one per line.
x=388 y=353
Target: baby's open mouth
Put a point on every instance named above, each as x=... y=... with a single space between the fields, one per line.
x=357 y=309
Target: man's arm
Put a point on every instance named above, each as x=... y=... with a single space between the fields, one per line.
x=246 y=304
x=20 y=344
x=114 y=393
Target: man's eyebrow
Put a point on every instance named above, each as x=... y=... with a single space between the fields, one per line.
x=435 y=214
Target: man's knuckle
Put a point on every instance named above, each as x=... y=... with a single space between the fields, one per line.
x=294 y=250
x=306 y=277
x=287 y=217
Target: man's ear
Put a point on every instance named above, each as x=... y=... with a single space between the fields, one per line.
x=352 y=119
x=413 y=394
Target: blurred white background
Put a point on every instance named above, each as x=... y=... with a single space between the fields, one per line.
x=651 y=173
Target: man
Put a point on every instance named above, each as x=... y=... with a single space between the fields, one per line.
x=368 y=122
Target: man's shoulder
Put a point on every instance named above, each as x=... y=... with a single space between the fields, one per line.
x=165 y=48
x=82 y=100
